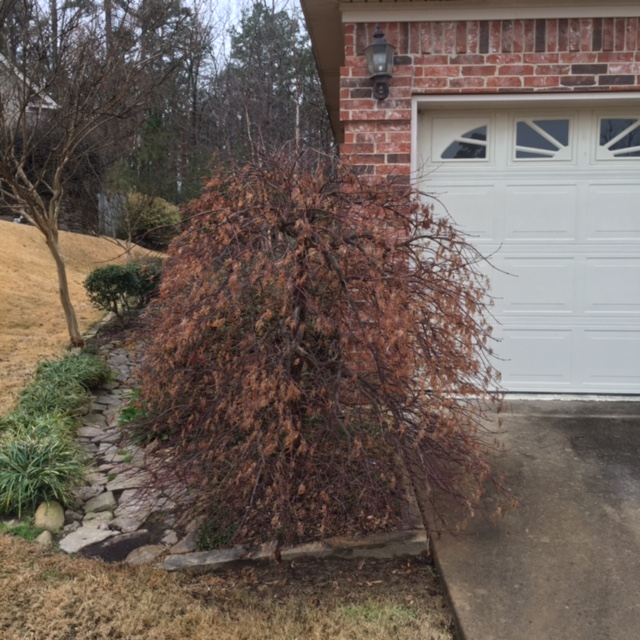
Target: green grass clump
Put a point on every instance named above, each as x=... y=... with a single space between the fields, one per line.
x=37 y=467
x=63 y=386
x=22 y=529
x=39 y=457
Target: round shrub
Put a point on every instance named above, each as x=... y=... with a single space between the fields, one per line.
x=151 y=222
x=121 y=288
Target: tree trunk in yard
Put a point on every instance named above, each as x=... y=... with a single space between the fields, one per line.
x=63 y=286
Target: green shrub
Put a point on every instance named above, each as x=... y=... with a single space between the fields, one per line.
x=151 y=222
x=21 y=423
x=62 y=386
x=121 y=288
x=36 y=467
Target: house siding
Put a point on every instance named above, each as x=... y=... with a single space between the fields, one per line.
x=475 y=57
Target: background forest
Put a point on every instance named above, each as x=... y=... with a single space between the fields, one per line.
x=213 y=84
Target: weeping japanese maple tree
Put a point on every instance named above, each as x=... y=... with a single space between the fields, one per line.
x=319 y=341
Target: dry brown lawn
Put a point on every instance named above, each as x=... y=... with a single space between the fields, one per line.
x=46 y=595
x=32 y=325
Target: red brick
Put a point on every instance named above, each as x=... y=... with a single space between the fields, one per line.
x=373 y=137
x=426 y=37
x=358 y=104
x=431 y=59
x=429 y=83
x=518 y=36
x=541 y=58
x=619 y=34
x=541 y=81
x=467 y=59
x=395 y=147
x=577 y=81
x=461 y=37
x=442 y=70
x=398 y=136
x=478 y=70
x=586 y=34
x=437 y=37
x=633 y=28
x=366 y=158
x=622 y=56
x=552 y=36
x=466 y=82
x=398 y=114
x=515 y=70
x=529 y=35
x=552 y=69
x=472 y=36
x=574 y=34
x=507 y=36
x=361 y=37
x=504 y=81
x=581 y=57
x=358 y=148
x=607 y=34
x=495 y=34
x=393 y=170
x=624 y=67
x=349 y=137
x=414 y=37
x=504 y=58
x=450 y=37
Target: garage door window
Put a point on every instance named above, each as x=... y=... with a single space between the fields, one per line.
x=619 y=138
x=542 y=140
x=471 y=145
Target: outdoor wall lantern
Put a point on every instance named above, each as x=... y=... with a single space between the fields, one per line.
x=380 y=64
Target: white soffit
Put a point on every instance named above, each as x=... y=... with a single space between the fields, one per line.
x=496 y=10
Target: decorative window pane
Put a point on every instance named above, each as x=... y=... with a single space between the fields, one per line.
x=542 y=139
x=471 y=145
x=619 y=138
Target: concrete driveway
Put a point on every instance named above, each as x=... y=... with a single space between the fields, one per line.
x=564 y=564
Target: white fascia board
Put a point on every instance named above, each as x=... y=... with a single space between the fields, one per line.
x=408 y=12
x=492 y=101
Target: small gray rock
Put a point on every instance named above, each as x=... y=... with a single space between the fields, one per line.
x=188 y=544
x=84 y=537
x=45 y=539
x=94 y=519
x=90 y=432
x=169 y=538
x=103 y=502
x=145 y=555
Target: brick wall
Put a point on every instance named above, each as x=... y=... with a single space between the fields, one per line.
x=480 y=57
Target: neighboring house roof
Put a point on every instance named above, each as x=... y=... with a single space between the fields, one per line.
x=15 y=87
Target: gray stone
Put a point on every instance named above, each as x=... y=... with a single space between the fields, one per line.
x=72 y=516
x=90 y=432
x=209 y=560
x=87 y=493
x=145 y=555
x=89 y=447
x=169 y=538
x=45 y=539
x=129 y=524
x=71 y=527
x=94 y=519
x=94 y=420
x=96 y=478
x=103 y=502
x=98 y=406
x=49 y=516
x=84 y=537
x=111 y=437
x=119 y=547
x=188 y=544
x=131 y=479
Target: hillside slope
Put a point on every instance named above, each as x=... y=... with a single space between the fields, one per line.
x=32 y=325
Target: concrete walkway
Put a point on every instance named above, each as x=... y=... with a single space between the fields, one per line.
x=565 y=564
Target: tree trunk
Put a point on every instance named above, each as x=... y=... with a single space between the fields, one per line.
x=63 y=287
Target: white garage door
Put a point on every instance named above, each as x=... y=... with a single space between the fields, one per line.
x=554 y=196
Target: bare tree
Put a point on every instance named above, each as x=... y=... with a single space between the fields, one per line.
x=57 y=112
